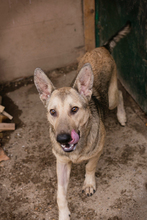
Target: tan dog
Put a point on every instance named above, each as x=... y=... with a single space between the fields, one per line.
x=75 y=115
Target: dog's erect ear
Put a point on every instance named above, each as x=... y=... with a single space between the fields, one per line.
x=84 y=81
x=43 y=85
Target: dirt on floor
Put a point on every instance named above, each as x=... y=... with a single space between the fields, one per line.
x=28 y=182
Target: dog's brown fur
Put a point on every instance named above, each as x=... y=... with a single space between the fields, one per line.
x=95 y=88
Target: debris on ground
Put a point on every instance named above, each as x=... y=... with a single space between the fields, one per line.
x=4 y=127
x=3 y=155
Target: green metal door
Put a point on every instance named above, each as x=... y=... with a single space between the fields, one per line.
x=131 y=52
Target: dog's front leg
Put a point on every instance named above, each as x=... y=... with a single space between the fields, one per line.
x=63 y=173
x=90 y=184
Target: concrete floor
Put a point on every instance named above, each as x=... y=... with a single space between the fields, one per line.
x=28 y=181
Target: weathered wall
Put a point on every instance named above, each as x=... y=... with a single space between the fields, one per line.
x=39 y=33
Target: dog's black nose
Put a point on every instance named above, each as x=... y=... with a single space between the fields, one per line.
x=63 y=138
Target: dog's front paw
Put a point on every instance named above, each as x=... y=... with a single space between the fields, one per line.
x=89 y=190
x=89 y=186
x=64 y=214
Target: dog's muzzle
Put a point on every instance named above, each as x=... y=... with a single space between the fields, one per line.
x=67 y=141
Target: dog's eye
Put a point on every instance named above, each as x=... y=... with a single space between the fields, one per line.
x=53 y=112
x=74 y=109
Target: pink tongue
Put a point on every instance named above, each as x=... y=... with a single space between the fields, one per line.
x=75 y=137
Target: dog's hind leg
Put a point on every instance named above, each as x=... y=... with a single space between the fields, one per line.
x=121 y=114
x=116 y=99
x=63 y=173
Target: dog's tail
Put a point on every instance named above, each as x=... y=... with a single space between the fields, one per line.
x=111 y=43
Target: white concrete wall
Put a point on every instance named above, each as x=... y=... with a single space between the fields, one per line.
x=39 y=33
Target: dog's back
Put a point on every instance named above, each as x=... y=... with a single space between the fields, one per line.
x=103 y=65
